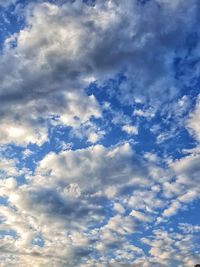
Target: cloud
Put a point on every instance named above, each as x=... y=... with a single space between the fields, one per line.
x=99 y=205
x=22 y=133
x=64 y=46
x=187 y=170
x=66 y=203
x=140 y=216
x=189 y=228
x=171 y=248
x=119 y=208
x=7 y=2
x=130 y=129
x=86 y=202
x=192 y=123
x=173 y=208
x=185 y=188
x=89 y=167
x=8 y=168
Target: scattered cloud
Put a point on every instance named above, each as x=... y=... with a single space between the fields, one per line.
x=99 y=133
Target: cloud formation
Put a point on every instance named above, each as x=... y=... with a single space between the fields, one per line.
x=99 y=134
x=63 y=48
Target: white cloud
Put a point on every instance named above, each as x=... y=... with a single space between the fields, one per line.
x=8 y=168
x=69 y=193
x=185 y=188
x=22 y=133
x=130 y=129
x=119 y=208
x=64 y=47
x=193 y=124
x=172 y=210
x=92 y=168
x=93 y=137
x=171 y=248
x=187 y=170
x=82 y=207
x=140 y=216
x=73 y=190
x=189 y=228
x=149 y=113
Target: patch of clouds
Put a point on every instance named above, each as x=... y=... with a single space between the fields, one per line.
x=65 y=47
x=22 y=133
x=171 y=248
x=140 y=216
x=149 y=113
x=95 y=164
x=185 y=188
x=192 y=123
x=6 y=3
x=67 y=200
x=189 y=228
x=130 y=129
x=83 y=207
x=8 y=168
x=94 y=137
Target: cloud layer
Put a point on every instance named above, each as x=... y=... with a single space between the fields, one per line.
x=99 y=134
x=63 y=48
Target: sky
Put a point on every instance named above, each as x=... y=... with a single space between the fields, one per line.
x=99 y=133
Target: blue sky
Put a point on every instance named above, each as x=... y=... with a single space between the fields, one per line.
x=99 y=133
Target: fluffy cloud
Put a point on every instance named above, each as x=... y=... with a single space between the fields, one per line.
x=22 y=133
x=93 y=169
x=71 y=192
x=185 y=188
x=130 y=129
x=168 y=248
x=86 y=202
x=107 y=204
x=64 y=47
x=8 y=168
x=193 y=121
x=66 y=203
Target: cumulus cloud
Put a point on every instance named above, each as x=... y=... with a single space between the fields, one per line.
x=130 y=129
x=67 y=200
x=8 y=168
x=107 y=204
x=193 y=121
x=170 y=248
x=93 y=168
x=64 y=47
x=185 y=188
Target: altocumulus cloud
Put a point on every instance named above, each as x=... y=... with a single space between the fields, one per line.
x=99 y=133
